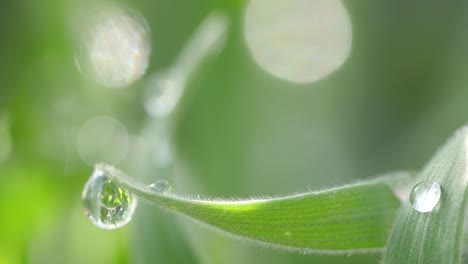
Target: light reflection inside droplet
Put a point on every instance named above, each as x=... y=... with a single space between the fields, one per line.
x=298 y=40
x=116 y=47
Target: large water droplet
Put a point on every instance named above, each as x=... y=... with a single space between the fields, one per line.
x=425 y=196
x=107 y=205
x=162 y=186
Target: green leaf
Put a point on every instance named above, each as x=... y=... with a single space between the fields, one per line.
x=436 y=236
x=349 y=219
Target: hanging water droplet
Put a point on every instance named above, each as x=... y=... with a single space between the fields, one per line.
x=425 y=196
x=161 y=186
x=106 y=204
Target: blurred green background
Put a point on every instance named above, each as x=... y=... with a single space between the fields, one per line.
x=240 y=131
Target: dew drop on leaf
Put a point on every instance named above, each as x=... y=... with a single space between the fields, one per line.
x=425 y=196
x=106 y=204
x=161 y=186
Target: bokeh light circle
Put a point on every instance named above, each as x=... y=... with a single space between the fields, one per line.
x=300 y=41
x=115 y=47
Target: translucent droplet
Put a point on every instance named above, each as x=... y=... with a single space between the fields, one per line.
x=106 y=204
x=425 y=196
x=161 y=186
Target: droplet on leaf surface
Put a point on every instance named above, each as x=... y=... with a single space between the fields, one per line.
x=425 y=196
x=161 y=186
x=106 y=204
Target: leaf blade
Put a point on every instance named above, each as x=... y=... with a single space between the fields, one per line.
x=345 y=220
x=435 y=237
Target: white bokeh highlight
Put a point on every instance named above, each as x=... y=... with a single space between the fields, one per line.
x=300 y=41
x=115 y=47
x=102 y=139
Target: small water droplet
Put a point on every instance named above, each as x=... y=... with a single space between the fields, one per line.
x=161 y=186
x=425 y=196
x=106 y=204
